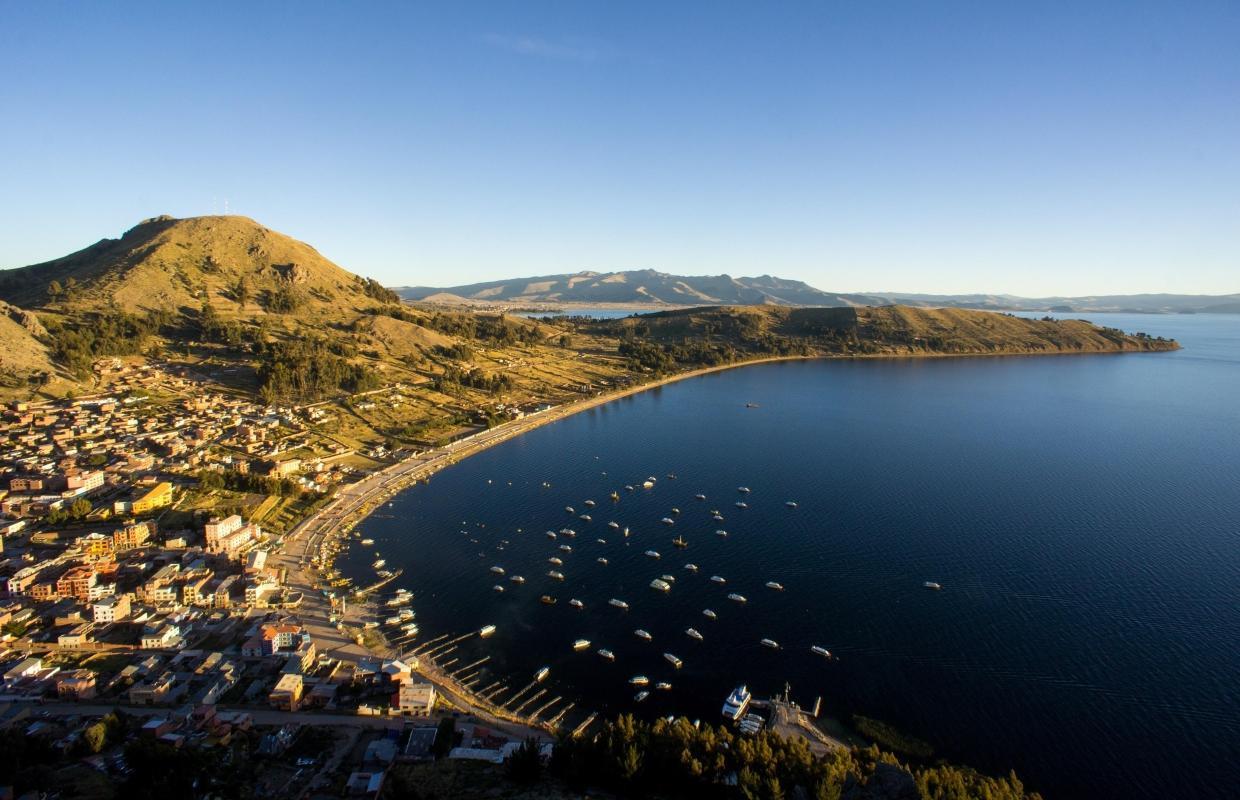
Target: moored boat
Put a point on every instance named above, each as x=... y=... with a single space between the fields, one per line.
x=497 y=570
x=639 y=680
x=641 y=634
x=547 y=600
x=542 y=674
x=577 y=604
x=607 y=654
x=601 y=560
x=640 y=696
x=581 y=644
x=559 y=576
x=617 y=603
x=693 y=633
x=718 y=579
x=776 y=585
x=771 y=643
x=737 y=703
x=673 y=660
x=653 y=553
x=822 y=651
x=486 y=631
x=517 y=579
x=706 y=612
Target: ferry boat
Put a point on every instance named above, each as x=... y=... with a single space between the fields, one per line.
x=822 y=651
x=618 y=603
x=720 y=532
x=737 y=703
x=517 y=579
x=640 y=696
x=718 y=579
x=741 y=504
x=776 y=585
x=547 y=600
x=607 y=654
x=668 y=521
x=691 y=567
x=791 y=504
x=660 y=584
x=559 y=576
x=679 y=541
x=575 y=603
x=692 y=633
x=581 y=644
x=542 y=674
x=498 y=570
x=641 y=634
x=653 y=553
x=554 y=560
x=771 y=643
x=673 y=660
x=367 y=542
x=601 y=560
x=737 y=598
x=498 y=588
x=743 y=489
x=639 y=680
x=706 y=612
x=932 y=585
x=486 y=631
x=699 y=497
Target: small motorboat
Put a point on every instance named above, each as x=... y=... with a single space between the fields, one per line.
x=607 y=654
x=791 y=504
x=932 y=585
x=542 y=674
x=641 y=634
x=486 y=631
x=601 y=560
x=640 y=696
x=653 y=554
x=673 y=660
x=691 y=567
x=554 y=560
x=559 y=576
x=577 y=604
x=718 y=579
x=771 y=643
x=706 y=612
x=617 y=603
x=737 y=598
x=822 y=651
x=699 y=497
x=547 y=600
x=639 y=680
x=498 y=588
x=581 y=644
x=693 y=633
x=517 y=579
x=776 y=585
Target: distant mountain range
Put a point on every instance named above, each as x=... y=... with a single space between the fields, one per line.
x=652 y=288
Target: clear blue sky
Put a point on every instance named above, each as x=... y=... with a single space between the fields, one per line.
x=1023 y=147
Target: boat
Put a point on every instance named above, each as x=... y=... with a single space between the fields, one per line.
x=618 y=603
x=822 y=651
x=590 y=503
x=392 y=621
x=607 y=654
x=547 y=600
x=517 y=579
x=626 y=532
x=718 y=579
x=614 y=524
x=741 y=504
x=575 y=603
x=581 y=644
x=410 y=628
x=601 y=541
x=653 y=553
x=550 y=534
x=542 y=674
x=498 y=588
x=639 y=680
x=691 y=567
x=751 y=405
x=628 y=487
x=932 y=585
x=699 y=497
x=679 y=541
x=737 y=703
x=601 y=560
x=791 y=504
x=771 y=643
x=569 y=510
x=641 y=634
x=668 y=521
x=673 y=660
x=498 y=570
x=720 y=532
x=647 y=484
x=706 y=612
x=559 y=576
x=615 y=495
x=692 y=633
x=379 y=562
x=367 y=542
x=370 y=624
x=585 y=517
x=660 y=584
x=776 y=585
x=738 y=598
x=405 y=614
x=569 y=532
x=668 y=578
x=554 y=560
x=640 y=696
x=663 y=686
x=743 y=489
x=486 y=631
x=717 y=518
x=566 y=548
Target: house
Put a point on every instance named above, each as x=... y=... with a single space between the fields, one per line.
x=132 y=536
x=153 y=691
x=158 y=496
x=111 y=609
x=286 y=695
x=167 y=634
x=365 y=784
x=77 y=582
x=416 y=699
x=78 y=684
x=78 y=637
x=23 y=670
x=229 y=535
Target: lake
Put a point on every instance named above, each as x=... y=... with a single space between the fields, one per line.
x=1082 y=514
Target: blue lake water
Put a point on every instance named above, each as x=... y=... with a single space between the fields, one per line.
x=1082 y=514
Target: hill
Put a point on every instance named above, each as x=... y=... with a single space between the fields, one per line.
x=172 y=265
x=24 y=355
x=645 y=286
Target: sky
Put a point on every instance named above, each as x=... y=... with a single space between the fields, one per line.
x=1034 y=148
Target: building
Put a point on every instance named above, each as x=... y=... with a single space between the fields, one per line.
x=223 y=592
x=132 y=536
x=78 y=684
x=158 y=496
x=111 y=609
x=95 y=546
x=166 y=634
x=77 y=582
x=416 y=699
x=153 y=691
x=229 y=535
x=83 y=482
x=286 y=695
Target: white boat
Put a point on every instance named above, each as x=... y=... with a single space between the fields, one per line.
x=641 y=634
x=590 y=503
x=737 y=598
x=613 y=524
x=486 y=631
x=410 y=628
x=737 y=703
x=559 y=576
x=569 y=510
x=575 y=603
x=554 y=560
x=720 y=532
x=601 y=541
x=691 y=567
x=717 y=518
x=653 y=553
x=370 y=624
x=569 y=532
x=628 y=487
x=692 y=633
x=498 y=588
x=626 y=532
x=668 y=521
x=706 y=612
x=673 y=660
x=668 y=578
x=405 y=614
x=618 y=603
x=639 y=680
x=498 y=570
x=822 y=651
x=718 y=579
x=932 y=585
x=771 y=643
x=607 y=654
x=392 y=621
x=567 y=548
x=776 y=585
x=647 y=484
x=660 y=584
x=379 y=562
x=743 y=489
x=542 y=674
x=517 y=579
x=601 y=560
x=640 y=696
x=585 y=517
x=741 y=504
x=699 y=497
x=791 y=504
x=581 y=644
x=367 y=542
x=550 y=534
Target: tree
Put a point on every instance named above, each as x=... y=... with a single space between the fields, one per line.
x=54 y=290
x=525 y=765
x=241 y=292
x=80 y=508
